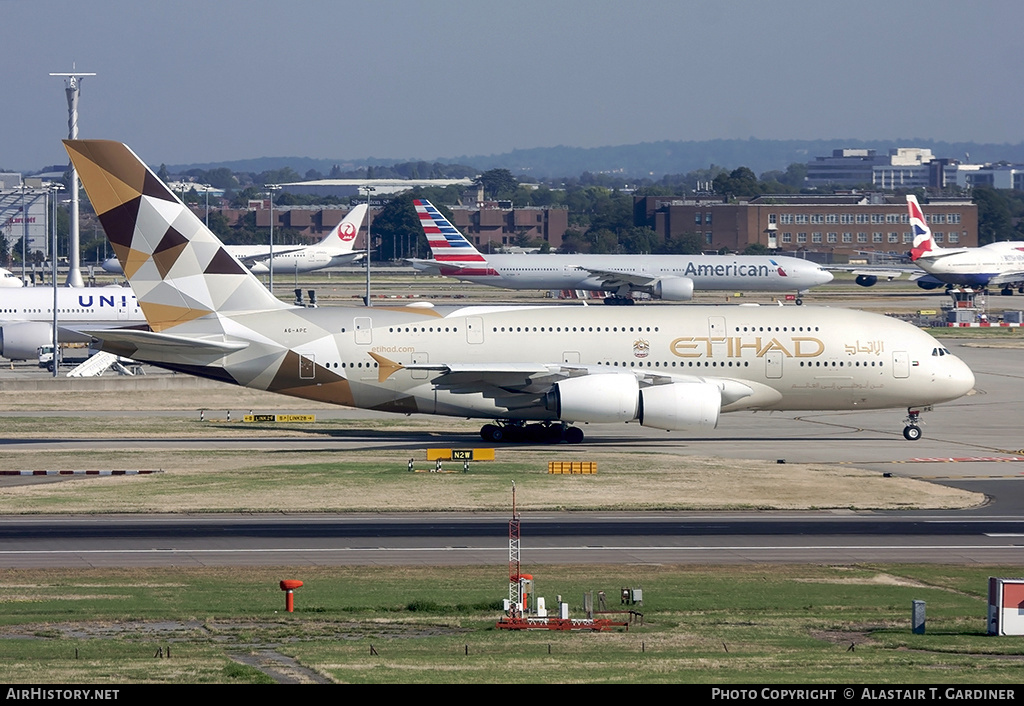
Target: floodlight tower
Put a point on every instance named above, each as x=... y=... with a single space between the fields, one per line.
x=72 y=82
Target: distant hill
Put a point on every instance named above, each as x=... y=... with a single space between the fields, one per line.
x=650 y=160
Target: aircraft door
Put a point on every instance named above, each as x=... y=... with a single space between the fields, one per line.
x=474 y=330
x=420 y=374
x=716 y=326
x=307 y=366
x=773 y=365
x=900 y=364
x=363 y=330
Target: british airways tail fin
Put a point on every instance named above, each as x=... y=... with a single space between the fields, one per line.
x=924 y=245
x=446 y=243
x=177 y=267
x=342 y=237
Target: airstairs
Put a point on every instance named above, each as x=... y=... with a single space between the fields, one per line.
x=98 y=364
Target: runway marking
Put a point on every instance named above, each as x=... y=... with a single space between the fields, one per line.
x=504 y=550
x=944 y=459
x=78 y=473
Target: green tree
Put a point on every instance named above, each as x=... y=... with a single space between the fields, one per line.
x=497 y=183
x=994 y=216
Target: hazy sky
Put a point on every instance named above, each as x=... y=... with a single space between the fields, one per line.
x=187 y=81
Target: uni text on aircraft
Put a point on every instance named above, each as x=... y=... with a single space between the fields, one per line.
x=532 y=372
x=335 y=250
x=669 y=277
x=26 y=315
x=999 y=264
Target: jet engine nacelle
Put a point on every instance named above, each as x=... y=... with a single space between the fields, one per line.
x=680 y=406
x=20 y=341
x=604 y=397
x=929 y=284
x=673 y=289
x=866 y=280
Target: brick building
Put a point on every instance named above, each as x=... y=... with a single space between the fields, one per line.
x=832 y=226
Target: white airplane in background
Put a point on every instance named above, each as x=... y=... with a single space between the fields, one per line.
x=26 y=315
x=334 y=250
x=670 y=277
x=999 y=264
x=8 y=280
x=532 y=371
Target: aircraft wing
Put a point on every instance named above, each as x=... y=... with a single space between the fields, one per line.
x=615 y=278
x=1007 y=278
x=515 y=385
x=886 y=272
x=250 y=260
x=421 y=264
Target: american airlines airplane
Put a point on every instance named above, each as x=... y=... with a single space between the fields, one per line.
x=531 y=371
x=26 y=315
x=670 y=277
x=999 y=264
x=334 y=250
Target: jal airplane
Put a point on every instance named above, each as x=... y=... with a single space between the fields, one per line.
x=334 y=250
x=531 y=372
x=999 y=264
x=670 y=277
x=26 y=315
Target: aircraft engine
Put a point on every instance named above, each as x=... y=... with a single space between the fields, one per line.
x=605 y=397
x=866 y=280
x=929 y=284
x=680 y=406
x=673 y=289
x=20 y=341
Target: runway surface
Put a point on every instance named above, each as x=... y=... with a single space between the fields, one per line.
x=547 y=538
x=974 y=443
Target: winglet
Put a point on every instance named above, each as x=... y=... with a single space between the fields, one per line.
x=385 y=368
x=924 y=244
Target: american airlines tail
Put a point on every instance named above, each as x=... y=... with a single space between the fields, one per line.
x=342 y=237
x=447 y=244
x=924 y=245
x=178 y=269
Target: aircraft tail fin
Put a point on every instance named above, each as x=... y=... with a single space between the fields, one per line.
x=447 y=244
x=177 y=267
x=924 y=245
x=342 y=237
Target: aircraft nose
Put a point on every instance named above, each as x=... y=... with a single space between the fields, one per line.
x=824 y=276
x=960 y=378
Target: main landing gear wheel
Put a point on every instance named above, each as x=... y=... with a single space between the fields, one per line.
x=537 y=433
x=912 y=432
x=799 y=301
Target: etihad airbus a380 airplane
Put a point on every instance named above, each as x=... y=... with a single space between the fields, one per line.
x=334 y=250
x=669 y=277
x=531 y=371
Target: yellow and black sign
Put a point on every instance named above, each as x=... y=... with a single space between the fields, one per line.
x=279 y=418
x=460 y=454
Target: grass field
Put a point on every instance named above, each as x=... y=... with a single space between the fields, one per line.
x=795 y=624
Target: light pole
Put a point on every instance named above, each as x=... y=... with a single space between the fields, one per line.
x=272 y=188
x=72 y=88
x=369 y=217
x=53 y=189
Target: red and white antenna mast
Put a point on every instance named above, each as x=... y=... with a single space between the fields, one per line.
x=515 y=594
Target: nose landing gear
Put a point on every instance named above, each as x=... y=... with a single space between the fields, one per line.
x=912 y=432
